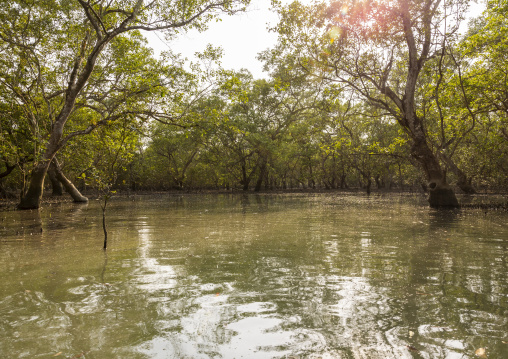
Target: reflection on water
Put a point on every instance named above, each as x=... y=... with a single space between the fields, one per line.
x=232 y=276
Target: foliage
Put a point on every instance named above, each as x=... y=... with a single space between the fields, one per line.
x=353 y=88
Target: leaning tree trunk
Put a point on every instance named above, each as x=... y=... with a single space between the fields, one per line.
x=56 y=185
x=463 y=182
x=465 y=185
x=69 y=187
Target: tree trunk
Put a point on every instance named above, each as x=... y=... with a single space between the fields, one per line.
x=343 y=183
x=367 y=177
x=103 y=207
x=56 y=185
x=262 y=172
x=440 y=192
x=311 y=182
x=104 y=229
x=465 y=185
x=31 y=199
x=3 y=192
x=8 y=170
x=463 y=182
x=245 y=180
x=401 y=179
x=69 y=187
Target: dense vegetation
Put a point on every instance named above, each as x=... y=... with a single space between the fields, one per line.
x=359 y=94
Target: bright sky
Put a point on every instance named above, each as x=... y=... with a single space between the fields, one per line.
x=242 y=37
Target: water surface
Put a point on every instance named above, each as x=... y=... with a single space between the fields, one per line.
x=250 y=276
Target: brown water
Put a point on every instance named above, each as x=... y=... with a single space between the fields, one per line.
x=232 y=276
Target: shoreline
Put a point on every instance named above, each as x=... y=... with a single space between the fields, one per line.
x=10 y=204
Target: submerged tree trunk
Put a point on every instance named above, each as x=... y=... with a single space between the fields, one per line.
x=69 y=187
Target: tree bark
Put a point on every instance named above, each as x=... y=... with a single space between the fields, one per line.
x=69 y=187
x=262 y=172
x=104 y=228
x=367 y=177
x=343 y=183
x=245 y=186
x=103 y=207
x=463 y=182
x=465 y=185
x=8 y=170
x=440 y=192
x=31 y=199
x=245 y=179
x=369 y=185
x=56 y=185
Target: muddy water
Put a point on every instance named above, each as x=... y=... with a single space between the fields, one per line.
x=232 y=276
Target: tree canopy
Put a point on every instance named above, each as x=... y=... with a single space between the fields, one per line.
x=358 y=94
